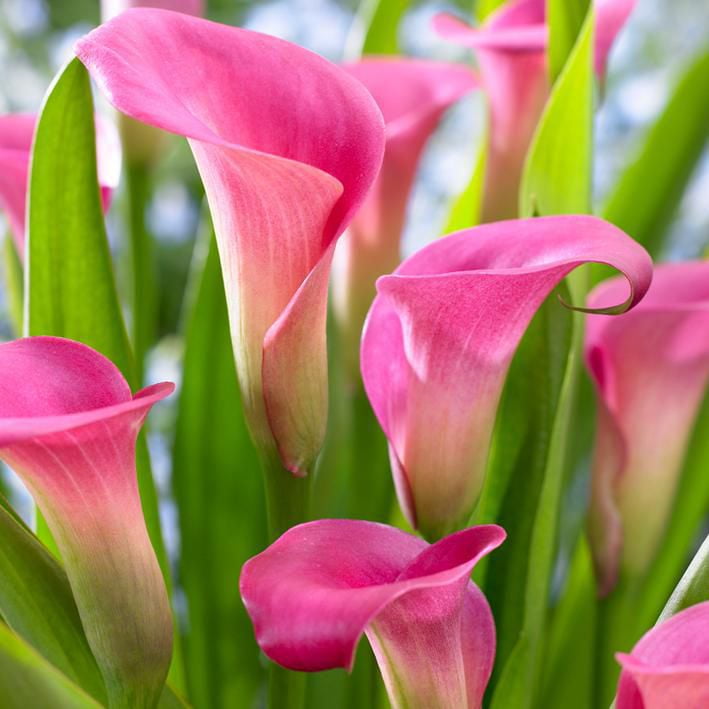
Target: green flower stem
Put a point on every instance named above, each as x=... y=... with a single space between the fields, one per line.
x=286 y=689
x=288 y=504
x=287 y=496
x=143 y=296
x=618 y=630
x=370 y=488
x=14 y=286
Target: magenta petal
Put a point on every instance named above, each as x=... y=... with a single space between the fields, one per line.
x=669 y=666
x=440 y=336
x=68 y=425
x=287 y=145
x=611 y=16
x=16 y=134
x=15 y=141
x=314 y=592
x=412 y=95
x=650 y=368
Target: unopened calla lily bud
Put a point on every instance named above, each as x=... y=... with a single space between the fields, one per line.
x=316 y=590
x=287 y=145
x=440 y=337
x=68 y=427
x=651 y=368
x=413 y=96
x=510 y=47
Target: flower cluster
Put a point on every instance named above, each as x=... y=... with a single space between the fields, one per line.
x=467 y=351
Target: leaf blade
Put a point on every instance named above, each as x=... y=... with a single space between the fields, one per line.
x=219 y=495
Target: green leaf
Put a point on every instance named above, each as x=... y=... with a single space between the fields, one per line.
x=28 y=680
x=527 y=470
x=70 y=287
x=218 y=490
x=37 y=603
x=645 y=198
x=564 y=19
x=557 y=174
x=483 y=8
x=375 y=28
x=143 y=271
x=13 y=284
x=568 y=670
x=693 y=587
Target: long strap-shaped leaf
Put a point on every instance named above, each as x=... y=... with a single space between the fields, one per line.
x=564 y=19
x=542 y=381
x=483 y=8
x=28 y=680
x=646 y=197
x=70 y=288
x=13 y=283
x=36 y=602
x=375 y=28
x=219 y=496
x=693 y=587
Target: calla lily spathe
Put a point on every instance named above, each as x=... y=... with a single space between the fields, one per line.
x=287 y=145
x=440 y=337
x=16 y=134
x=669 y=666
x=511 y=50
x=650 y=368
x=413 y=96
x=314 y=592
x=111 y=8
x=68 y=427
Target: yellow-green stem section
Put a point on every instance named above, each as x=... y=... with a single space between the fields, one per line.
x=143 y=296
x=617 y=631
x=288 y=504
x=287 y=496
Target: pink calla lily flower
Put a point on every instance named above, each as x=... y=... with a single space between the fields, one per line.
x=16 y=134
x=288 y=145
x=511 y=51
x=68 y=426
x=651 y=368
x=440 y=337
x=314 y=592
x=669 y=666
x=412 y=95
x=111 y=8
